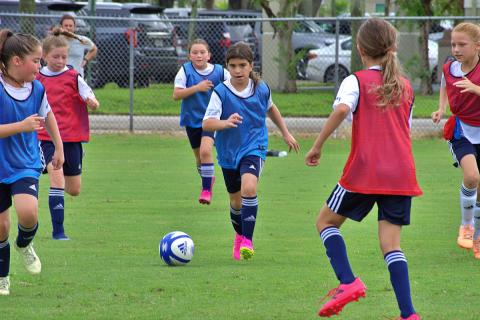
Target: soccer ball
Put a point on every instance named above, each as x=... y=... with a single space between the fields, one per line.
x=176 y=248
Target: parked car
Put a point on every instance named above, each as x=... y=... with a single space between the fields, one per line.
x=219 y=34
x=155 y=57
x=321 y=62
x=42 y=23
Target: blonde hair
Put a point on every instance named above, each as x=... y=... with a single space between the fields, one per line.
x=471 y=29
x=378 y=40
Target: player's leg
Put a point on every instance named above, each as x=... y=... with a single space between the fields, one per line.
x=5 y=203
x=341 y=205
x=195 y=137
x=25 y=199
x=207 y=167
x=233 y=185
x=393 y=213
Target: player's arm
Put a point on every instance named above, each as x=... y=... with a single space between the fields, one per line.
x=52 y=129
x=182 y=93
x=442 y=105
x=211 y=120
x=29 y=124
x=339 y=114
x=87 y=94
x=275 y=115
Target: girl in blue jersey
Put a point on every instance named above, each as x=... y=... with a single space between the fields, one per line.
x=24 y=110
x=194 y=84
x=237 y=111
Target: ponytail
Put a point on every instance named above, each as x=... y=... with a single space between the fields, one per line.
x=392 y=88
x=58 y=31
x=15 y=44
x=4 y=35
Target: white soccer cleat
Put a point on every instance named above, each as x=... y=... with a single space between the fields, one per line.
x=30 y=259
x=4 y=286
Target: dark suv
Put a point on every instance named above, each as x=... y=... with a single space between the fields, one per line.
x=155 y=57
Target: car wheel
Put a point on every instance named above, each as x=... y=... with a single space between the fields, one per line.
x=329 y=76
x=301 y=69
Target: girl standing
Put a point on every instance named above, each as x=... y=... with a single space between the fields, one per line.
x=237 y=111
x=381 y=101
x=24 y=110
x=69 y=96
x=194 y=84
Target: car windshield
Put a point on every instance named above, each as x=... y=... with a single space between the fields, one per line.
x=153 y=21
x=239 y=32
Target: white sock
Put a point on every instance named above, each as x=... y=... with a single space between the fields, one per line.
x=468 y=200
x=477 y=221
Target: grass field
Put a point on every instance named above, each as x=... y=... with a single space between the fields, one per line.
x=138 y=188
x=157 y=100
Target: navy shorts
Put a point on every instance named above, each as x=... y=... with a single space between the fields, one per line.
x=26 y=185
x=195 y=136
x=73 y=152
x=356 y=206
x=461 y=147
x=233 y=177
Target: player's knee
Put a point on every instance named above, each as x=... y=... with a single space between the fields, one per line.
x=205 y=153
x=75 y=191
x=4 y=229
x=471 y=179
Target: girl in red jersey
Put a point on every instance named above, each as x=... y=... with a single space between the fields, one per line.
x=380 y=168
x=460 y=85
x=69 y=96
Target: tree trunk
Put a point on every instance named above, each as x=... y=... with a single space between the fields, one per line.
x=426 y=77
x=209 y=4
x=357 y=10
x=192 y=26
x=27 y=24
x=240 y=4
x=387 y=8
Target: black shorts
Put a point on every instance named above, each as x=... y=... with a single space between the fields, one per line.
x=356 y=206
x=195 y=136
x=73 y=152
x=26 y=185
x=461 y=147
x=233 y=177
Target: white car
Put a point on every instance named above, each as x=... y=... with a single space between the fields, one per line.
x=321 y=62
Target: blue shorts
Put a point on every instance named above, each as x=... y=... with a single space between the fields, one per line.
x=356 y=206
x=233 y=177
x=195 y=136
x=461 y=147
x=73 y=152
x=26 y=185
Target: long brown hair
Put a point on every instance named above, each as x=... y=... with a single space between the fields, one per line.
x=378 y=40
x=15 y=44
x=241 y=50
x=59 y=31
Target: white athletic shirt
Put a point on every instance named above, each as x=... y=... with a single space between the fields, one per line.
x=181 y=77
x=214 y=108
x=472 y=133
x=23 y=93
x=349 y=92
x=83 y=88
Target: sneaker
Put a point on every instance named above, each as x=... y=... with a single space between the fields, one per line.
x=4 y=286
x=30 y=258
x=465 y=236
x=343 y=294
x=411 y=317
x=246 y=249
x=60 y=236
x=236 y=246
x=206 y=195
x=476 y=248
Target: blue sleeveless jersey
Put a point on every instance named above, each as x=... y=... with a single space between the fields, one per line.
x=251 y=136
x=194 y=106
x=20 y=154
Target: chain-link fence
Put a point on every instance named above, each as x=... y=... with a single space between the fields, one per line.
x=143 y=48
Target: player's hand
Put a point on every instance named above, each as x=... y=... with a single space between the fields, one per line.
x=92 y=103
x=312 y=158
x=437 y=116
x=466 y=85
x=33 y=123
x=233 y=121
x=205 y=85
x=58 y=159
x=291 y=143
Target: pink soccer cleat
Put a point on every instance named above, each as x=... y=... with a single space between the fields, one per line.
x=246 y=249
x=465 y=236
x=206 y=195
x=236 y=246
x=411 y=317
x=342 y=295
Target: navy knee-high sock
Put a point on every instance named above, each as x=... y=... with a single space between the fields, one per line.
x=398 y=268
x=337 y=254
x=207 y=172
x=4 y=258
x=236 y=219
x=56 y=203
x=26 y=235
x=249 y=216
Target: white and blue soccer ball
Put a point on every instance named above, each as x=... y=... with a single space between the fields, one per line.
x=176 y=248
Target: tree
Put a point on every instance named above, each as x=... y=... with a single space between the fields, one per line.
x=309 y=8
x=357 y=10
x=283 y=29
x=27 y=24
x=240 y=4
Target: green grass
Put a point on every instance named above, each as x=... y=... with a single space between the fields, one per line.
x=157 y=100
x=138 y=188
